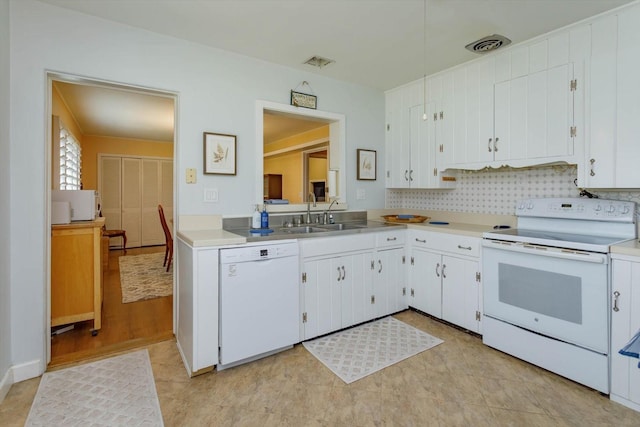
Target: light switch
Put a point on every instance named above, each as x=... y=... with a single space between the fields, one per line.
x=191 y=175
x=211 y=195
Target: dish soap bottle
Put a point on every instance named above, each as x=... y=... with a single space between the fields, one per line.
x=256 y=219
x=264 y=217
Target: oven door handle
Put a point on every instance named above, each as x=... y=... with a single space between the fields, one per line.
x=567 y=254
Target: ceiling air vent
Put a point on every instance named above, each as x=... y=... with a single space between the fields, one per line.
x=318 y=61
x=487 y=44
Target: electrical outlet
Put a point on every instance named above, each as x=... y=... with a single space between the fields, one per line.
x=211 y=195
x=361 y=194
x=191 y=175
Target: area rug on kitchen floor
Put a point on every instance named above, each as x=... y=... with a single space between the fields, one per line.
x=354 y=353
x=143 y=277
x=118 y=391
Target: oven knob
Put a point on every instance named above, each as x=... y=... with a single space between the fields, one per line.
x=529 y=205
x=625 y=209
x=598 y=208
x=611 y=209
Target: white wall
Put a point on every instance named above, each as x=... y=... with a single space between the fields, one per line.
x=217 y=93
x=5 y=332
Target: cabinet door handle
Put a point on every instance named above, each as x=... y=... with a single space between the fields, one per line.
x=391 y=239
x=468 y=248
x=406 y=178
x=411 y=175
x=495 y=145
x=616 y=294
x=438 y=269
x=380 y=270
x=344 y=273
x=444 y=276
x=489 y=146
x=339 y=275
x=421 y=241
x=592 y=173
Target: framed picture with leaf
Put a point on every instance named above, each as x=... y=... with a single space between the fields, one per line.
x=219 y=154
x=366 y=164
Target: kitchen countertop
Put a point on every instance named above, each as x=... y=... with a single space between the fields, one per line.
x=217 y=237
x=472 y=225
x=631 y=248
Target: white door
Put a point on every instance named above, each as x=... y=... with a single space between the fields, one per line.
x=131 y=200
x=110 y=195
x=317 y=297
x=152 y=233
x=460 y=292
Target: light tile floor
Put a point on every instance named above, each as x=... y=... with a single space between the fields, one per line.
x=460 y=382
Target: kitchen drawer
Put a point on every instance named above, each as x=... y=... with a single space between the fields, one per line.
x=445 y=242
x=390 y=238
x=320 y=246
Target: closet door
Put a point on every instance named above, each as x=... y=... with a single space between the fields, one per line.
x=110 y=195
x=166 y=190
x=152 y=233
x=132 y=200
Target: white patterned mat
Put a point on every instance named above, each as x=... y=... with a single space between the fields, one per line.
x=354 y=353
x=119 y=391
x=143 y=277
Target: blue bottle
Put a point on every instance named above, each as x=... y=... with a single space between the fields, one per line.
x=264 y=218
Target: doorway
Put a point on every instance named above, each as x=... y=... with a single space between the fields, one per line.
x=92 y=111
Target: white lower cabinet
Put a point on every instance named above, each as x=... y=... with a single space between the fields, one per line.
x=389 y=284
x=349 y=280
x=197 y=306
x=625 y=322
x=335 y=282
x=444 y=277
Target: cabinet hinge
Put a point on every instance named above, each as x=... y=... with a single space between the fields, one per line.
x=304 y=317
x=404 y=259
x=304 y=277
x=435 y=171
x=372 y=264
x=413 y=292
x=478 y=316
x=388 y=126
x=574 y=85
x=435 y=117
x=412 y=261
x=388 y=174
x=442 y=148
x=573 y=131
x=441 y=115
x=477 y=276
x=373 y=299
x=404 y=291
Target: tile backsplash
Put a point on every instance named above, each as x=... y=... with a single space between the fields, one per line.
x=497 y=191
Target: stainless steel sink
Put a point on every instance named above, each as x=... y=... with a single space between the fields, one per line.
x=342 y=226
x=303 y=230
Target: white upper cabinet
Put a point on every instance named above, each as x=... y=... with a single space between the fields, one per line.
x=411 y=140
x=613 y=149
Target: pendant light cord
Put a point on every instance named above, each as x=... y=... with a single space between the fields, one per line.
x=424 y=58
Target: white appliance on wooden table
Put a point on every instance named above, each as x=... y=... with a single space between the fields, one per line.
x=259 y=301
x=547 y=289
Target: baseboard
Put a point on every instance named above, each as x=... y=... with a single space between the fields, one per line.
x=26 y=371
x=5 y=384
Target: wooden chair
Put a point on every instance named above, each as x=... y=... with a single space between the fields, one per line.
x=114 y=233
x=168 y=253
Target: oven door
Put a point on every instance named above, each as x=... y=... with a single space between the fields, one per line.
x=559 y=293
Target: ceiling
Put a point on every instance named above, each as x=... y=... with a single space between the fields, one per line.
x=376 y=43
x=118 y=112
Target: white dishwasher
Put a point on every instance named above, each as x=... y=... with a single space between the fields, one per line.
x=259 y=301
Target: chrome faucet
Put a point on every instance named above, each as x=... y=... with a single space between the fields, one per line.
x=309 y=206
x=327 y=217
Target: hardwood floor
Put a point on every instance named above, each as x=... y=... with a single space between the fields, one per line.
x=124 y=326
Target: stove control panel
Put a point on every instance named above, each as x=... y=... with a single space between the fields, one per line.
x=572 y=208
